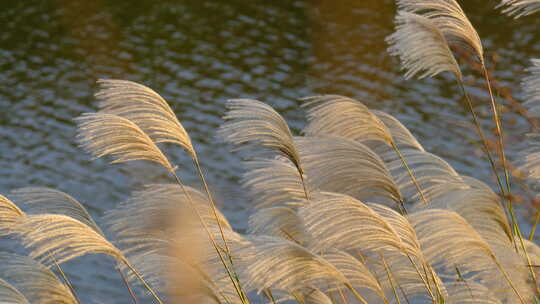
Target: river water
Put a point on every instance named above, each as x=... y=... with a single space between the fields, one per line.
x=197 y=54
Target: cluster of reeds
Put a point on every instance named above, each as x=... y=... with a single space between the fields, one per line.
x=353 y=211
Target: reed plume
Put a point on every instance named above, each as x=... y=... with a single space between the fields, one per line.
x=32 y=282
x=10 y=294
x=519 y=8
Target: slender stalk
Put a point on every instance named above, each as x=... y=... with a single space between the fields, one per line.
x=536 y=219
x=65 y=278
x=233 y=277
x=133 y=297
x=411 y=174
x=498 y=123
x=269 y=295
x=213 y=204
x=143 y=281
x=356 y=294
x=481 y=134
x=390 y=279
x=507 y=277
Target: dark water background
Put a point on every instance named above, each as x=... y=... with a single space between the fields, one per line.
x=197 y=54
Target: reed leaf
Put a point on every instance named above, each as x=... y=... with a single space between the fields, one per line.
x=34 y=280
x=144 y=107
x=422 y=47
x=519 y=8
x=104 y=134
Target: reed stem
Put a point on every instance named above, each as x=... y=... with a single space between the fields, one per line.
x=143 y=281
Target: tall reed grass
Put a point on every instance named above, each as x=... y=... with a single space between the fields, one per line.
x=353 y=211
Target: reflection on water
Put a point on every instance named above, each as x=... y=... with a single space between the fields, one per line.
x=197 y=54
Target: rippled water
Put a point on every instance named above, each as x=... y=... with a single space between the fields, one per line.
x=197 y=54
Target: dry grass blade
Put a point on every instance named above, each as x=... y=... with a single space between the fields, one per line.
x=35 y=281
x=520 y=8
x=252 y=122
x=422 y=47
x=146 y=108
x=10 y=294
x=334 y=115
x=9 y=214
x=337 y=164
x=47 y=200
x=531 y=87
x=450 y=19
x=274 y=263
x=106 y=134
x=61 y=236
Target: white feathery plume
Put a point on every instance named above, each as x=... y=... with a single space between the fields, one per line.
x=47 y=200
x=280 y=221
x=144 y=107
x=520 y=8
x=468 y=292
x=272 y=182
x=10 y=294
x=355 y=271
x=447 y=241
x=38 y=283
x=341 y=165
x=429 y=170
x=401 y=135
x=334 y=115
x=422 y=47
x=9 y=214
x=252 y=122
x=450 y=19
x=531 y=87
x=480 y=207
x=274 y=263
x=61 y=236
x=104 y=134
x=531 y=156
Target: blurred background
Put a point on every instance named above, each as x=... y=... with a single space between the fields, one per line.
x=197 y=54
